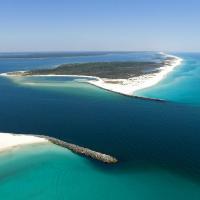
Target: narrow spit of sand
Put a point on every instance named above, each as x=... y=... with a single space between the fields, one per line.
x=10 y=141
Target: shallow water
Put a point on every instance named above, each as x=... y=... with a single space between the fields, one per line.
x=56 y=173
x=180 y=86
x=157 y=144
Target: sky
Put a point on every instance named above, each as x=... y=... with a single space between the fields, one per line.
x=99 y=25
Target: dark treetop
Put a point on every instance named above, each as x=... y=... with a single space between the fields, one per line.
x=112 y=70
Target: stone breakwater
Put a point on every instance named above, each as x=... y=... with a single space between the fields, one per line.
x=81 y=150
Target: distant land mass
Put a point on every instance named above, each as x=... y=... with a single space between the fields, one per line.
x=117 y=76
x=110 y=70
x=18 y=55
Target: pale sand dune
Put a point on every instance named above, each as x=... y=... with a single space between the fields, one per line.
x=9 y=141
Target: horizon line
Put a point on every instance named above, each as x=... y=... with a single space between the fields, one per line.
x=86 y=51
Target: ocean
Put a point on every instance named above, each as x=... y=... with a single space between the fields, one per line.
x=182 y=85
x=157 y=143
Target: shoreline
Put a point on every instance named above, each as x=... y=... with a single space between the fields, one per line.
x=125 y=87
x=131 y=85
x=9 y=142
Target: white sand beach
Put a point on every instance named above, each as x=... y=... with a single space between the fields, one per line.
x=122 y=86
x=10 y=141
x=131 y=85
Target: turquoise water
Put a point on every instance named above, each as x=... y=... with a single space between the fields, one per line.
x=55 y=173
x=157 y=144
x=182 y=85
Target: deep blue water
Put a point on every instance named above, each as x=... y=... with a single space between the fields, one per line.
x=156 y=143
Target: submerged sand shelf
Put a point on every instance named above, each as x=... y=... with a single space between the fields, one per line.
x=10 y=141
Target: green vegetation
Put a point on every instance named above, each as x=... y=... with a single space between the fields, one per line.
x=112 y=70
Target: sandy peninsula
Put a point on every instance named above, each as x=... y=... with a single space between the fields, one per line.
x=10 y=141
x=121 y=77
x=131 y=85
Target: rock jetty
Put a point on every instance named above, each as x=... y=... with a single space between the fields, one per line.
x=82 y=150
